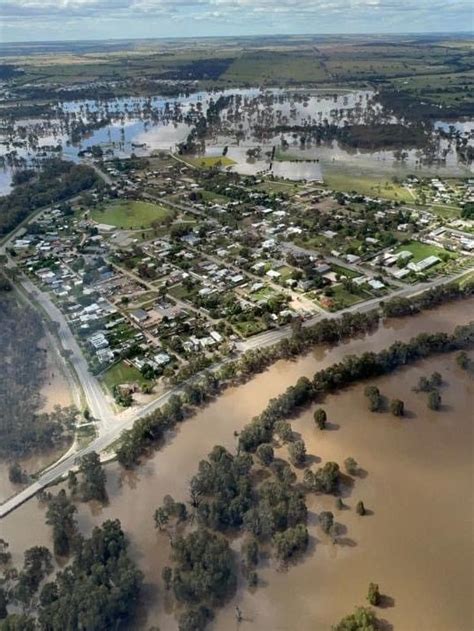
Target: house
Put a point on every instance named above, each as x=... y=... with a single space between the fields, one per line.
x=352 y=258
x=98 y=341
x=161 y=359
x=376 y=284
x=322 y=268
x=104 y=355
x=139 y=315
x=424 y=264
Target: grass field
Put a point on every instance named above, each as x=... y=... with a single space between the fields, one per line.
x=122 y=373
x=251 y=327
x=131 y=214
x=367 y=185
x=276 y=67
x=421 y=251
x=343 y=298
x=208 y=162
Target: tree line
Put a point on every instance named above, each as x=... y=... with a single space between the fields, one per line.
x=56 y=181
x=434 y=297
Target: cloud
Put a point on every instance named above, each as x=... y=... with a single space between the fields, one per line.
x=279 y=16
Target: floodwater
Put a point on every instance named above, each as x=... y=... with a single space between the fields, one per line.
x=55 y=391
x=56 y=388
x=142 y=125
x=418 y=486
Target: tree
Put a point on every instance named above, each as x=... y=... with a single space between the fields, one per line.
x=320 y=418
x=16 y=474
x=3 y=604
x=283 y=431
x=363 y=619
x=291 y=542
x=250 y=553
x=265 y=454
x=167 y=575
x=326 y=520
x=324 y=480
x=436 y=380
x=462 y=360
x=60 y=515
x=204 y=569
x=397 y=407
x=72 y=482
x=194 y=619
x=36 y=566
x=351 y=466
x=434 y=400
x=373 y=595
x=375 y=400
x=93 y=478
x=360 y=508
x=18 y=622
x=297 y=451
x=99 y=589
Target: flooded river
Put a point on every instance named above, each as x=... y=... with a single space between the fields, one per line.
x=417 y=485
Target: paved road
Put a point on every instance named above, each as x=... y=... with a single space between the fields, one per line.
x=98 y=404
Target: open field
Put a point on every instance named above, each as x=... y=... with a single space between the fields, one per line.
x=276 y=68
x=208 y=162
x=131 y=214
x=122 y=373
x=367 y=185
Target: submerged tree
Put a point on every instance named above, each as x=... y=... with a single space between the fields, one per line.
x=373 y=595
x=320 y=418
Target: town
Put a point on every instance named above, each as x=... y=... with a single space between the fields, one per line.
x=167 y=268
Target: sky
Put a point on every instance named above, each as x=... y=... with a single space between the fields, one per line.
x=48 y=20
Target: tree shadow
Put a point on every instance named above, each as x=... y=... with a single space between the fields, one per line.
x=339 y=529
x=346 y=542
x=332 y=427
x=384 y=625
x=362 y=473
x=312 y=459
x=386 y=601
x=346 y=485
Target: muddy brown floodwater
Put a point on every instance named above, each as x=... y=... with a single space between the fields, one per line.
x=417 y=483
